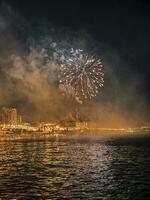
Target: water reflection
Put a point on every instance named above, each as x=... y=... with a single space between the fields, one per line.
x=73 y=169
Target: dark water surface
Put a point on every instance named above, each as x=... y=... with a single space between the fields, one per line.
x=75 y=168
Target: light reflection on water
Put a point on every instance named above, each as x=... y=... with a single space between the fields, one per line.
x=74 y=169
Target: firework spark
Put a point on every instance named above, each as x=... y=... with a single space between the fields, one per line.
x=83 y=74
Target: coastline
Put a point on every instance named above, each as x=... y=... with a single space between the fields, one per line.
x=90 y=133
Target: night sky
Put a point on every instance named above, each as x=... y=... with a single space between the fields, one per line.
x=119 y=30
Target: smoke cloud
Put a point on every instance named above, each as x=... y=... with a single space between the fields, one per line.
x=29 y=76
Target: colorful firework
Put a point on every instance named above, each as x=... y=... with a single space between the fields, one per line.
x=83 y=74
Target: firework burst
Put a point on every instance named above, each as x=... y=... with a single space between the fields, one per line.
x=82 y=76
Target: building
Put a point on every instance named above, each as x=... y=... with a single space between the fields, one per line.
x=4 y=113
x=10 y=116
x=19 y=119
x=81 y=125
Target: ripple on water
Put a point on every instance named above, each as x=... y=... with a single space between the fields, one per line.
x=74 y=169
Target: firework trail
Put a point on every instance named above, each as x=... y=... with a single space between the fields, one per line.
x=82 y=75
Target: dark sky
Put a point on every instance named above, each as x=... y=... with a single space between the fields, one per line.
x=120 y=28
x=124 y=26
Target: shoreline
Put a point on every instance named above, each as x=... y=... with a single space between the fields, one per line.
x=25 y=136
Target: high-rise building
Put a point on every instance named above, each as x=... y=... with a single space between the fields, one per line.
x=4 y=114
x=10 y=116
x=19 y=119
